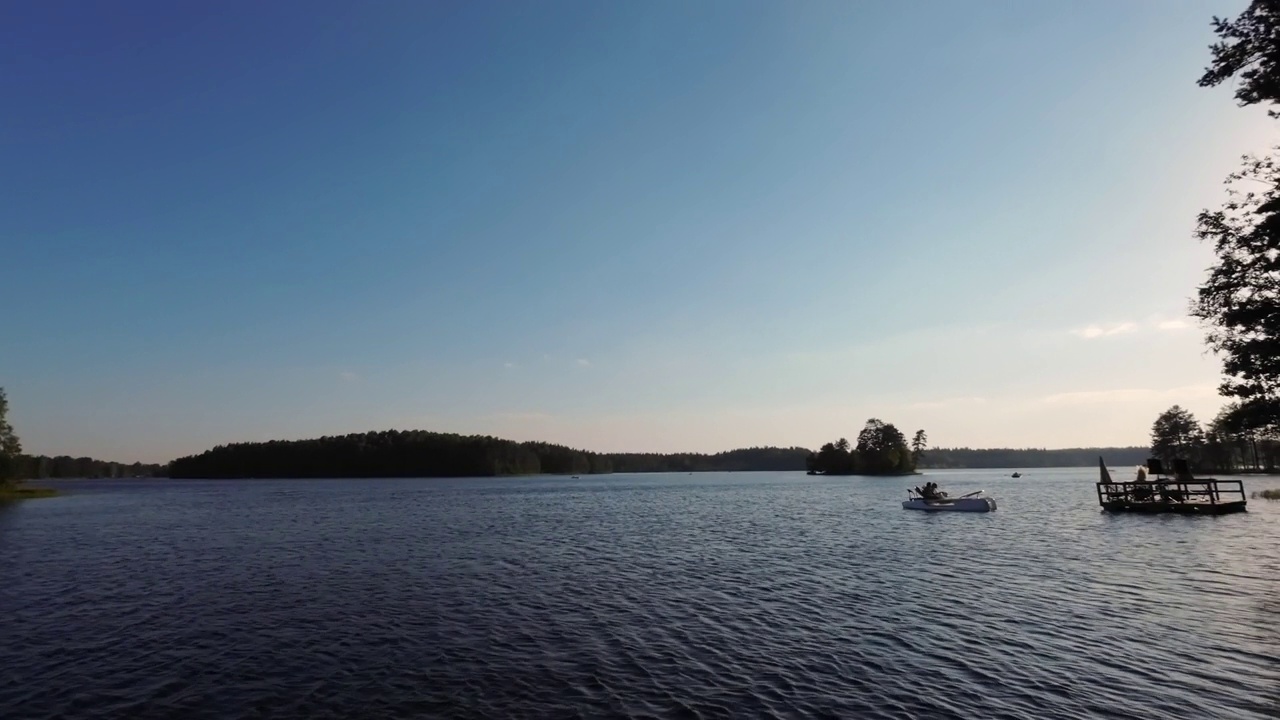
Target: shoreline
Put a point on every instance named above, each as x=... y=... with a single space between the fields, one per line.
x=19 y=492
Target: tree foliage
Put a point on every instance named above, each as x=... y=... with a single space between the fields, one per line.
x=1240 y=299
x=881 y=450
x=10 y=446
x=1176 y=434
x=1248 y=49
x=918 y=445
x=1239 y=302
x=1241 y=438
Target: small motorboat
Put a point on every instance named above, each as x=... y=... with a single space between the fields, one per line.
x=1016 y=475
x=973 y=502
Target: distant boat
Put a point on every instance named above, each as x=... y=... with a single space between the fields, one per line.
x=1016 y=475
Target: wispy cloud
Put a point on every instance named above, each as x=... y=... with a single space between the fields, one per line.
x=1159 y=322
x=348 y=376
x=510 y=365
x=583 y=362
x=1089 y=332
x=1123 y=395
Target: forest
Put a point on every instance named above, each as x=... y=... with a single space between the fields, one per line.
x=1031 y=457
x=40 y=467
x=418 y=453
x=880 y=450
x=1241 y=438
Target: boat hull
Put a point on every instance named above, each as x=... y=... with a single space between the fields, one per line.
x=1183 y=508
x=957 y=505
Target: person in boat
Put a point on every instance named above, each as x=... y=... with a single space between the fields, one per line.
x=930 y=491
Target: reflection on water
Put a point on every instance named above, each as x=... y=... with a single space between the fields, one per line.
x=745 y=594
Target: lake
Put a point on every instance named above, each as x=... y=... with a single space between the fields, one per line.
x=632 y=596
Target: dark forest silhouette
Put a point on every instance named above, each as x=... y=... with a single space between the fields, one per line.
x=418 y=453
x=881 y=450
x=40 y=467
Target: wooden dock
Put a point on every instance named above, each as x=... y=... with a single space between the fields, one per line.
x=1181 y=494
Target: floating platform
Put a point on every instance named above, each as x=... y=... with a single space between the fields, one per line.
x=1184 y=494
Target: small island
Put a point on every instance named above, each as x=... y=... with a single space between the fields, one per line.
x=881 y=450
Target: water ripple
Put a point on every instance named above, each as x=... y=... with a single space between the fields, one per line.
x=710 y=596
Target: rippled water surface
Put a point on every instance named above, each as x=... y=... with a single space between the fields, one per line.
x=711 y=595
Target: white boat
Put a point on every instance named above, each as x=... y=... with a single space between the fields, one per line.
x=964 y=503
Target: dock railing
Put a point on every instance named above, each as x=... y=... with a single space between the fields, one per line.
x=1198 y=491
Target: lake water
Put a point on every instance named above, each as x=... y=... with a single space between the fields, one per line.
x=707 y=595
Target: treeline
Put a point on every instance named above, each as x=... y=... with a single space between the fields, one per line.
x=881 y=449
x=938 y=458
x=746 y=459
x=40 y=467
x=392 y=453
x=1244 y=437
x=418 y=453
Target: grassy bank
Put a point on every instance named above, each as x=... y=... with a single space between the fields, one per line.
x=22 y=492
x=1268 y=494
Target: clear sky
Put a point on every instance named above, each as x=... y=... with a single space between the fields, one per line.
x=650 y=226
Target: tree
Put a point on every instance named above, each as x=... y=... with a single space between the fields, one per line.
x=1240 y=300
x=883 y=448
x=1249 y=47
x=1227 y=444
x=1176 y=434
x=10 y=446
x=918 y=445
x=834 y=459
x=1249 y=432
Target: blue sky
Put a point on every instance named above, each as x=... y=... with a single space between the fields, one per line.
x=622 y=226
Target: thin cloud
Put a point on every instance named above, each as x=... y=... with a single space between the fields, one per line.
x=583 y=362
x=347 y=376
x=509 y=365
x=1123 y=395
x=1091 y=332
x=1173 y=325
